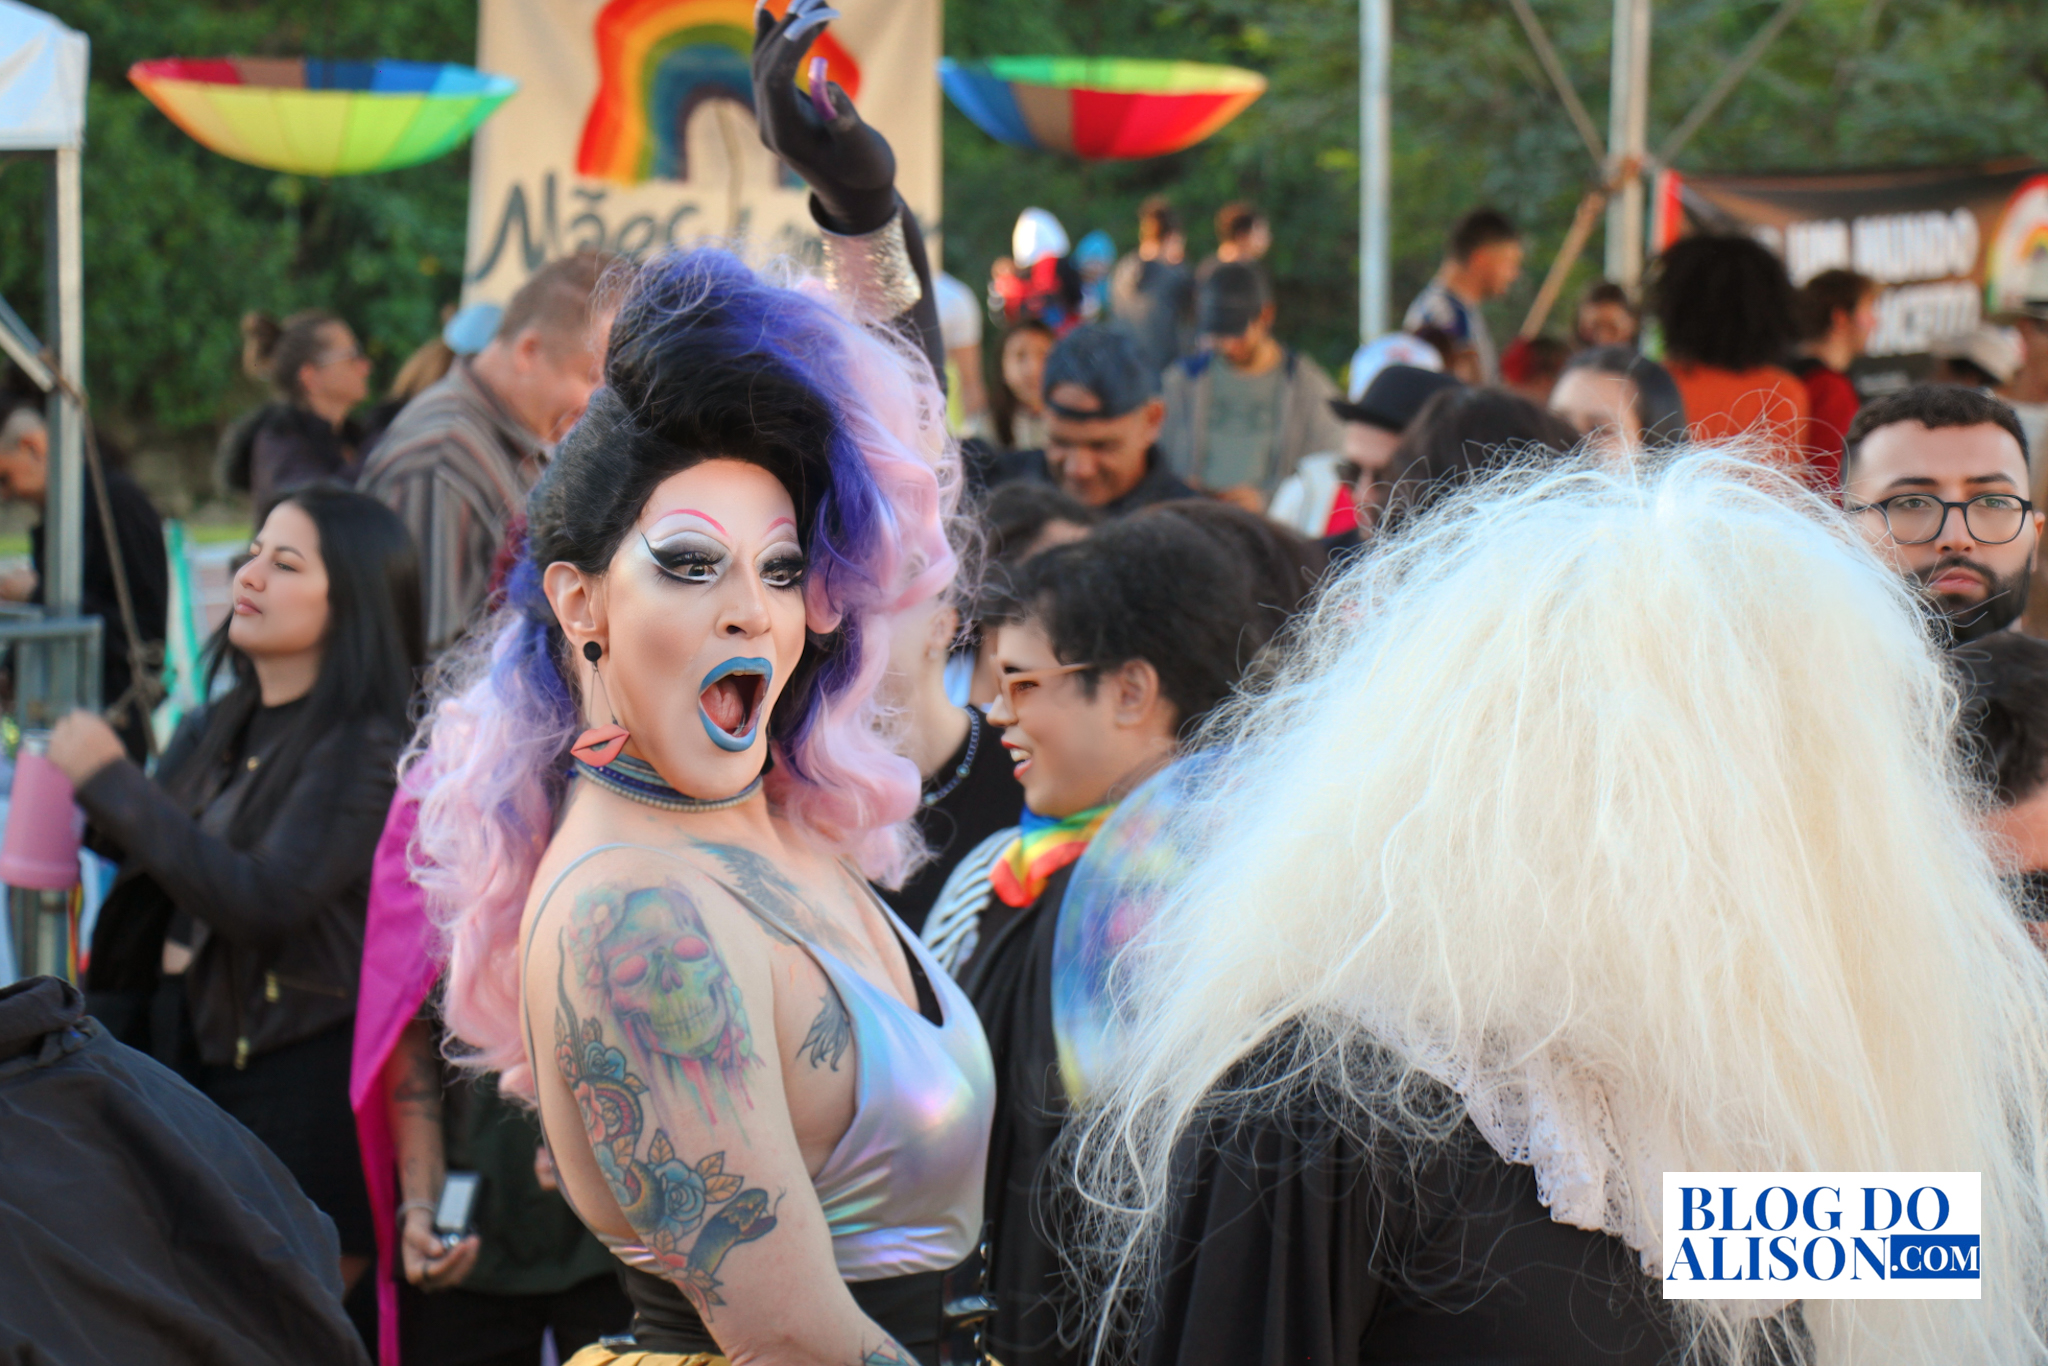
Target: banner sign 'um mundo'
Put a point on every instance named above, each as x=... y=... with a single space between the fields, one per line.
x=1948 y=247
x=633 y=129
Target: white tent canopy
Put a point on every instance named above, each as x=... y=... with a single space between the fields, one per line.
x=42 y=81
x=42 y=115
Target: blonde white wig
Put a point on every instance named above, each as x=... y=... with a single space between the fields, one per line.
x=1623 y=803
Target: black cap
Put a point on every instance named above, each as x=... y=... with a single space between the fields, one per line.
x=1106 y=362
x=1231 y=298
x=1394 y=397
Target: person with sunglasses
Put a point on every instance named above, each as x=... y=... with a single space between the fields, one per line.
x=1936 y=477
x=1111 y=651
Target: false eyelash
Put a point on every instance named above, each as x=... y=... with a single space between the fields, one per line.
x=794 y=566
x=669 y=561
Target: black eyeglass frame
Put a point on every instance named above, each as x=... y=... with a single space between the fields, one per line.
x=1882 y=507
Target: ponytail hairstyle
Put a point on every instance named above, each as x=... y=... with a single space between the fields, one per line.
x=276 y=351
x=707 y=360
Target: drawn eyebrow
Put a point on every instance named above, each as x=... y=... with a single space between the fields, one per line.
x=705 y=516
x=789 y=522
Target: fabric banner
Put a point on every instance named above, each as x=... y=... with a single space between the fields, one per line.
x=633 y=129
x=1950 y=247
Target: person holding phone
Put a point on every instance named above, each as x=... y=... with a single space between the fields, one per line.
x=231 y=943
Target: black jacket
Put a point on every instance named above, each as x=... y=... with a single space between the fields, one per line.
x=142 y=1223
x=279 y=944
x=280 y=447
x=1009 y=980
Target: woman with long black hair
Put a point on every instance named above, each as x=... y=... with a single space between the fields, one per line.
x=232 y=941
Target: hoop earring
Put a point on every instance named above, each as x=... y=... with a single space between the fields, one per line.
x=600 y=745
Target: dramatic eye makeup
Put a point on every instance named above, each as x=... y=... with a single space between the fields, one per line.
x=688 y=546
x=688 y=556
x=782 y=561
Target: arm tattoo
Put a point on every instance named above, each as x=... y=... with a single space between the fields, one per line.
x=762 y=882
x=830 y=1034
x=420 y=1089
x=888 y=1354
x=647 y=954
x=665 y=1199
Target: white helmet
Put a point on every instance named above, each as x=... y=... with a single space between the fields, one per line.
x=1037 y=235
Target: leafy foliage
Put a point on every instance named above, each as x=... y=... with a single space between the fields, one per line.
x=180 y=242
x=1849 y=83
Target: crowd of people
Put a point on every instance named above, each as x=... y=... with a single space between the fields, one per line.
x=629 y=880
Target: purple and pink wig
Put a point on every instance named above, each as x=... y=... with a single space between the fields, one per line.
x=706 y=360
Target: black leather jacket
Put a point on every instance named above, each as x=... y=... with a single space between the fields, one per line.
x=278 y=952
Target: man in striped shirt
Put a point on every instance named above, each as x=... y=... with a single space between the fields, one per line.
x=457 y=463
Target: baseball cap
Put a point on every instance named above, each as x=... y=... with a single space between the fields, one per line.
x=471 y=330
x=1994 y=350
x=1394 y=397
x=1106 y=362
x=1396 y=348
x=1231 y=298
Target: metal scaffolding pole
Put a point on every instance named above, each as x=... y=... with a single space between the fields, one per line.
x=64 y=510
x=1375 y=166
x=1628 y=120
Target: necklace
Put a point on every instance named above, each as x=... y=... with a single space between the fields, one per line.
x=636 y=779
x=966 y=763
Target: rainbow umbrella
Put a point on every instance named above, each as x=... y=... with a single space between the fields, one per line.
x=1099 y=108
x=326 y=118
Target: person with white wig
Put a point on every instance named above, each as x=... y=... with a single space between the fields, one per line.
x=1603 y=822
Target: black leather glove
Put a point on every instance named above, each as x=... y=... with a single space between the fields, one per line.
x=848 y=165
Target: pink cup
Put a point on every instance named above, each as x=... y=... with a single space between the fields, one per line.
x=44 y=824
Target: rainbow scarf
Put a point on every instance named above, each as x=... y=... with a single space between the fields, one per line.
x=1043 y=846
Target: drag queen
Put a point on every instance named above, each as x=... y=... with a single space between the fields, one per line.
x=1604 y=824
x=652 y=808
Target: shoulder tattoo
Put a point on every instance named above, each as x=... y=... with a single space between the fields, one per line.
x=645 y=953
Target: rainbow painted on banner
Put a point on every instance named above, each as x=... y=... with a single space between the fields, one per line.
x=659 y=61
x=2016 y=265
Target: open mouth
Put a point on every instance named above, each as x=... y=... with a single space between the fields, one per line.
x=732 y=699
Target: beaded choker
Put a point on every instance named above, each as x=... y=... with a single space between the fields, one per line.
x=637 y=779
x=966 y=763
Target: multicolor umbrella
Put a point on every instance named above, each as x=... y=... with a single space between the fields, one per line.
x=326 y=118
x=1099 y=108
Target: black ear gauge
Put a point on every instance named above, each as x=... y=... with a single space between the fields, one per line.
x=593 y=651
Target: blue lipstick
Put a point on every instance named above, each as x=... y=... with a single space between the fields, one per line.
x=721 y=737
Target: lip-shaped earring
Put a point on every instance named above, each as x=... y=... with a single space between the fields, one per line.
x=720 y=736
x=600 y=745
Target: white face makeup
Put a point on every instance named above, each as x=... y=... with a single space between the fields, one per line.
x=703 y=622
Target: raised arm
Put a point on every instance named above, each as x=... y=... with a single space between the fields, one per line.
x=665 y=1036
x=874 y=250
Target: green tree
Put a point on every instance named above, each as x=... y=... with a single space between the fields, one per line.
x=179 y=242
x=1849 y=83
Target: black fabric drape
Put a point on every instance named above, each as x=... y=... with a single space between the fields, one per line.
x=1009 y=979
x=142 y=1224
x=1296 y=1242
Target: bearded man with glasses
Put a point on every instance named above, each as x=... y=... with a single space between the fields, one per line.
x=1936 y=477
